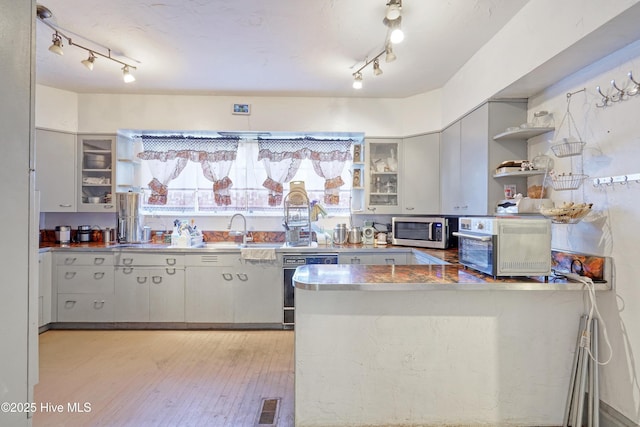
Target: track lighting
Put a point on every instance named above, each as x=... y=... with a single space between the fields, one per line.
x=390 y=56
x=56 y=46
x=126 y=75
x=396 y=35
x=376 y=67
x=89 y=61
x=357 y=80
x=43 y=14
x=393 y=9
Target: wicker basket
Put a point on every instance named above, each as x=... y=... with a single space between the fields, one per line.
x=568 y=148
x=567 y=182
x=570 y=214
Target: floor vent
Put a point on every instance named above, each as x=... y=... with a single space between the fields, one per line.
x=269 y=412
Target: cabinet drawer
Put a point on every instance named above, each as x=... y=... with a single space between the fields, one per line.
x=142 y=259
x=214 y=259
x=354 y=259
x=85 y=280
x=85 y=308
x=98 y=258
x=391 y=259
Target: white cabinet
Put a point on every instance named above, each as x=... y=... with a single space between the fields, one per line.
x=96 y=175
x=421 y=174
x=224 y=288
x=469 y=156
x=84 y=284
x=55 y=163
x=44 y=288
x=382 y=177
x=149 y=287
x=146 y=294
x=357 y=176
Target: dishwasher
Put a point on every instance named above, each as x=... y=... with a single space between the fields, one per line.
x=289 y=263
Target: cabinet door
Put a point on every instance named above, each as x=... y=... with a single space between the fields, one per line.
x=85 y=308
x=96 y=164
x=131 y=294
x=85 y=280
x=474 y=161
x=383 y=178
x=56 y=171
x=421 y=174
x=166 y=295
x=209 y=294
x=44 y=287
x=257 y=293
x=450 y=170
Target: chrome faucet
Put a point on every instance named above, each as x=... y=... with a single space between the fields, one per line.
x=242 y=233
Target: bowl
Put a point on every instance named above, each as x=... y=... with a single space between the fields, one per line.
x=96 y=161
x=94 y=199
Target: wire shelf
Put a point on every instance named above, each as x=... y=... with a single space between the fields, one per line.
x=568 y=148
x=567 y=182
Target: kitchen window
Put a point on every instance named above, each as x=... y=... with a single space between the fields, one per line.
x=218 y=175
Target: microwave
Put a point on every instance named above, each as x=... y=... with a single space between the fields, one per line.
x=505 y=246
x=423 y=232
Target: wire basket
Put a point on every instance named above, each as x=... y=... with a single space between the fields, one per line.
x=568 y=148
x=568 y=214
x=567 y=182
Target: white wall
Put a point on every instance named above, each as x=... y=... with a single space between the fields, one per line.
x=56 y=109
x=613 y=148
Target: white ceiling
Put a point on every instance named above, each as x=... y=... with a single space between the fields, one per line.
x=263 y=47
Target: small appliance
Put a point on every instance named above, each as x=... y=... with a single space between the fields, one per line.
x=424 y=232
x=522 y=205
x=84 y=233
x=63 y=234
x=129 y=228
x=368 y=235
x=505 y=246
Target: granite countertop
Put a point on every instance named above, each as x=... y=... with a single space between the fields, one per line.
x=421 y=277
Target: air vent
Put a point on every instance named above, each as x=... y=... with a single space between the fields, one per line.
x=268 y=412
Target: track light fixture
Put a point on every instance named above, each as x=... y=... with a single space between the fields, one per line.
x=89 y=61
x=56 y=45
x=43 y=14
x=392 y=20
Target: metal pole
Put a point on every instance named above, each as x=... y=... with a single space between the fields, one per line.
x=574 y=370
x=584 y=364
x=596 y=383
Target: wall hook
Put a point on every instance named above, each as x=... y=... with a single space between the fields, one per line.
x=618 y=96
x=636 y=88
x=606 y=100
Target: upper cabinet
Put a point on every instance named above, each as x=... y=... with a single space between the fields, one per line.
x=96 y=155
x=421 y=175
x=55 y=162
x=469 y=156
x=382 y=180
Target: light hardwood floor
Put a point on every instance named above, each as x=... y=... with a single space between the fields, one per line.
x=164 y=378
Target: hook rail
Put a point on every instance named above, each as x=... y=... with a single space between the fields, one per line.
x=618 y=92
x=618 y=179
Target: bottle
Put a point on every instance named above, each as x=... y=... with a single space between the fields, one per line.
x=378 y=185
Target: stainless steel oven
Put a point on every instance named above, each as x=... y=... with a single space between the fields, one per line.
x=290 y=262
x=424 y=232
x=505 y=246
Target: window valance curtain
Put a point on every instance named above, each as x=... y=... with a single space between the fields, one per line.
x=167 y=156
x=282 y=158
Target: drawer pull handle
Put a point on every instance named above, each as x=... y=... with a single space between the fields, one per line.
x=390 y=260
x=69 y=275
x=227 y=276
x=355 y=260
x=171 y=261
x=127 y=261
x=98 y=261
x=98 y=304
x=127 y=270
x=65 y=205
x=98 y=275
x=141 y=279
x=69 y=261
x=108 y=206
x=69 y=304
x=170 y=271
x=242 y=277
x=156 y=279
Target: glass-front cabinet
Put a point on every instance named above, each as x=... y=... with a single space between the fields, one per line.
x=97 y=178
x=383 y=175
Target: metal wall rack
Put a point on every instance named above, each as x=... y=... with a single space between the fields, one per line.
x=618 y=179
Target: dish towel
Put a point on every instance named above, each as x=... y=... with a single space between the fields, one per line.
x=258 y=254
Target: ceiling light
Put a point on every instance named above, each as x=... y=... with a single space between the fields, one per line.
x=390 y=56
x=396 y=35
x=56 y=46
x=357 y=81
x=376 y=67
x=89 y=61
x=44 y=14
x=126 y=75
x=393 y=9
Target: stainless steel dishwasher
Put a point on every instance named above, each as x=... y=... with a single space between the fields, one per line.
x=290 y=262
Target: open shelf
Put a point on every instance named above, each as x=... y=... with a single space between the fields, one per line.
x=523 y=133
x=519 y=173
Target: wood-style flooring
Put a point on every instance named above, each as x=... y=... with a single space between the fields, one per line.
x=164 y=378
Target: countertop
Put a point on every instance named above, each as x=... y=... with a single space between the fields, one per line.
x=345 y=277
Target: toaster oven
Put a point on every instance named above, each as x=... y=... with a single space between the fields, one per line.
x=505 y=246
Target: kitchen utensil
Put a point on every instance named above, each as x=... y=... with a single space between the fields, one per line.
x=146 y=233
x=340 y=234
x=94 y=199
x=355 y=235
x=63 y=234
x=84 y=233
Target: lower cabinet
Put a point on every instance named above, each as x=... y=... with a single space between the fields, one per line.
x=44 y=288
x=396 y=258
x=149 y=294
x=257 y=293
x=85 y=307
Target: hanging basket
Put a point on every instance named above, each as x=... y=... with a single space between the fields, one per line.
x=567 y=182
x=568 y=148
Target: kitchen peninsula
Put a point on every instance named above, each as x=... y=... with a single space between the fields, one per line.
x=431 y=345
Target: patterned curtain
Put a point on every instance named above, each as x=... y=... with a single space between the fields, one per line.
x=167 y=156
x=328 y=158
x=281 y=158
